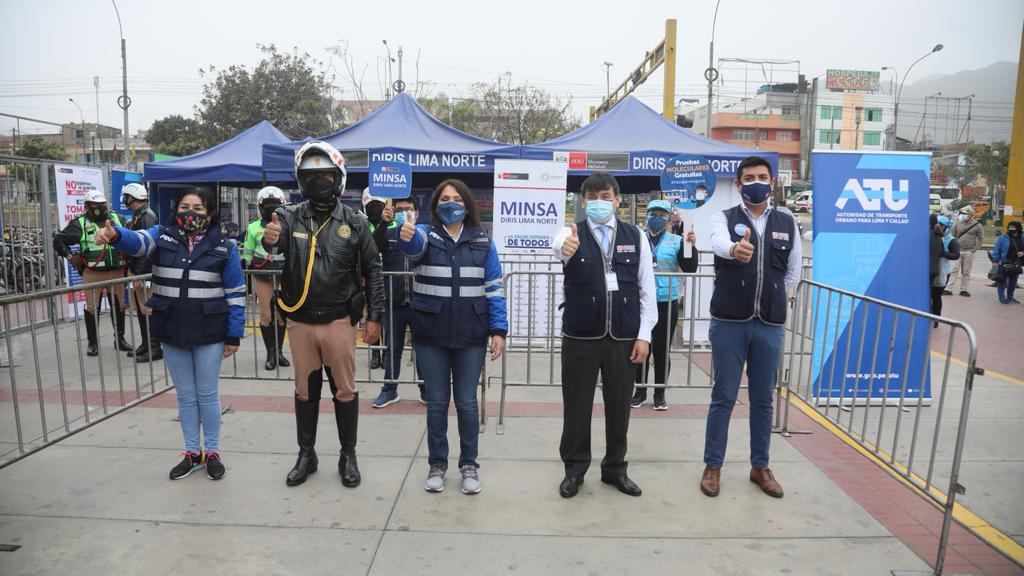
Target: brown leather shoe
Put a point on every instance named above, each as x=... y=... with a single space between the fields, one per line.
x=709 y=482
x=764 y=478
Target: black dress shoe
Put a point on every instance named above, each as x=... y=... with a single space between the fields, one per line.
x=624 y=484
x=570 y=486
x=92 y=350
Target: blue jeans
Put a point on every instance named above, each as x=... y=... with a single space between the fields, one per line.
x=1006 y=286
x=759 y=345
x=448 y=371
x=396 y=322
x=195 y=373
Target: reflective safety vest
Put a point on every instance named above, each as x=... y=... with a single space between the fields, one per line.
x=255 y=254
x=666 y=259
x=97 y=257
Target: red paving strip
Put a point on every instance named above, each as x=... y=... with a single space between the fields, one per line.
x=991 y=321
x=902 y=511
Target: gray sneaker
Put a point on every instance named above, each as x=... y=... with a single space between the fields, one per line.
x=435 y=480
x=470 y=480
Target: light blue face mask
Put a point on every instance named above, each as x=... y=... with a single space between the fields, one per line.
x=600 y=211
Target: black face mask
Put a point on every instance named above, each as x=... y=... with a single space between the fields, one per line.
x=374 y=212
x=1013 y=232
x=267 y=210
x=97 y=213
x=319 y=190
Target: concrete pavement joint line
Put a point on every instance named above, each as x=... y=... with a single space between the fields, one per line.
x=652 y=537
x=394 y=504
x=992 y=373
x=181 y=522
x=972 y=522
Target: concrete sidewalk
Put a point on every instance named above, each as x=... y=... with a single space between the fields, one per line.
x=100 y=502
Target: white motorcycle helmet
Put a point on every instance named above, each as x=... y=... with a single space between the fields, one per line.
x=318 y=156
x=135 y=190
x=270 y=193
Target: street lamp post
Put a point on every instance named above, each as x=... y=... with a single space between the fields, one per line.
x=899 y=93
x=896 y=80
x=81 y=117
x=124 y=102
x=607 y=79
x=711 y=74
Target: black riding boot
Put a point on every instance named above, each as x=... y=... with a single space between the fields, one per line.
x=267 y=332
x=347 y=416
x=143 y=349
x=281 y=360
x=122 y=344
x=307 y=414
x=90 y=332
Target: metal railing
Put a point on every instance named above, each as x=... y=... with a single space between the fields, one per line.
x=862 y=364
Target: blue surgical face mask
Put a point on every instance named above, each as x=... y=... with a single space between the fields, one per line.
x=755 y=192
x=963 y=217
x=451 y=212
x=404 y=215
x=600 y=211
x=656 y=223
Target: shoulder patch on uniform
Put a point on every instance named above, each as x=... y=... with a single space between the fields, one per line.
x=435 y=235
x=166 y=236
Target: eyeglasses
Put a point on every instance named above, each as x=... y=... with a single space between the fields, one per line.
x=763 y=178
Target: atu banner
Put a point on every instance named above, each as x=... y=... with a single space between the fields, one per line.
x=72 y=183
x=529 y=210
x=870 y=238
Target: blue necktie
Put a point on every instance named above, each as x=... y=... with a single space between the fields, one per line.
x=606 y=237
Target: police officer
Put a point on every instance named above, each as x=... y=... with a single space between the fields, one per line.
x=669 y=257
x=328 y=250
x=608 y=314
x=135 y=197
x=95 y=263
x=757 y=260
x=398 y=317
x=257 y=258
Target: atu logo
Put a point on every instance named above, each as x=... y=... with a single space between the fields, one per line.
x=877 y=190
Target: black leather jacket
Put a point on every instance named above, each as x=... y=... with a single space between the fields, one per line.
x=345 y=253
x=142 y=219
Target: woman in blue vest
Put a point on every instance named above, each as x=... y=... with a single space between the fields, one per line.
x=669 y=256
x=458 y=301
x=198 y=314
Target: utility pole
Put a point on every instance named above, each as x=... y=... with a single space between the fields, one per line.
x=124 y=102
x=668 y=97
x=607 y=79
x=858 y=111
x=711 y=73
x=96 y=85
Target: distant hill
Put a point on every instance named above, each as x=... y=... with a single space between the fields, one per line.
x=991 y=113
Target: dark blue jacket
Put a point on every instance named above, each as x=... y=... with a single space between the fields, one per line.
x=756 y=289
x=458 y=294
x=587 y=312
x=199 y=296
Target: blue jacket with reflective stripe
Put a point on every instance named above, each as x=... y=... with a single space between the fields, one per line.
x=198 y=296
x=458 y=293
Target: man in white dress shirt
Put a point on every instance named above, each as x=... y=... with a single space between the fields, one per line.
x=609 y=310
x=757 y=261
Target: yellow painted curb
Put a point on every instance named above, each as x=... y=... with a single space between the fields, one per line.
x=992 y=373
x=969 y=520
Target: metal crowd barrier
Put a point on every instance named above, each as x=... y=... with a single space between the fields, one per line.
x=925 y=448
x=47 y=369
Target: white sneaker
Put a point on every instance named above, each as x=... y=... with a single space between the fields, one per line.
x=435 y=480
x=470 y=480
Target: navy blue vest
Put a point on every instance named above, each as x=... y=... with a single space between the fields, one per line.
x=396 y=287
x=588 y=312
x=757 y=288
x=189 y=308
x=448 y=295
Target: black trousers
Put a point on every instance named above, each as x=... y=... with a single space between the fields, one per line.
x=582 y=361
x=661 y=341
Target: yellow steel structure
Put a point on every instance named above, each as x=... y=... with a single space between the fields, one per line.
x=1015 y=177
x=663 y=54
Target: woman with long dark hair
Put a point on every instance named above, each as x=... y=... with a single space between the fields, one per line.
x=198 y=314
x=458 y=301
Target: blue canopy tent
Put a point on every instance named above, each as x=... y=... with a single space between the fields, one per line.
x=634 y=140
x=236 y=162
x=402 y=131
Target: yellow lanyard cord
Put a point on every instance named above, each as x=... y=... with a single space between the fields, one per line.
x=309 y=270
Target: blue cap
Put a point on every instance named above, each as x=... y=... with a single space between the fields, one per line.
x=659 y=205
x=944 y=221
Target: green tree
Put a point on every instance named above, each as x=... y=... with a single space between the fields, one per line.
x=177 y=136
x=991 y=162
x=42 y=149
x=283 y=88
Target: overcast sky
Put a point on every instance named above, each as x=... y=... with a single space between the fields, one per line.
x=53 y=48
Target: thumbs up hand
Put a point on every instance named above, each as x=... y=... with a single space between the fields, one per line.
x=407 y=231
x=272 y=231
x=572 y=243
x=105 y=235
x=744 y=250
